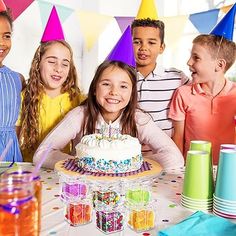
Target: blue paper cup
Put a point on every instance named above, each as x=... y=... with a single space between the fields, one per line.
x=228 y=146
x=226 y=175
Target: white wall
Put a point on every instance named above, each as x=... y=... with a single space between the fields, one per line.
x=28 y=31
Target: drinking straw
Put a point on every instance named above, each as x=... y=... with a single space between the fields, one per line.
x=4 y=153
x=39 y=164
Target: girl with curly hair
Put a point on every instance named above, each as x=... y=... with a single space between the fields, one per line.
x=50 y=93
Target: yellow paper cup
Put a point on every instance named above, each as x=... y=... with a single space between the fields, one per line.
x=198 y=178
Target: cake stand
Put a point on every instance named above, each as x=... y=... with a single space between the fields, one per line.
x=155 y=170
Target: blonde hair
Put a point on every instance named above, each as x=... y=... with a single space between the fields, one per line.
x=218 y=47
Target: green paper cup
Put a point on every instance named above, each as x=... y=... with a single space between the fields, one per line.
x=198 y=178
x=200 y=145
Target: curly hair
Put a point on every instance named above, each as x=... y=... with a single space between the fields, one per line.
x=150 y=23
x=92 y=110
x=29 y=134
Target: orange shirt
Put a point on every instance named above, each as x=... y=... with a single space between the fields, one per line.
x=206 y=117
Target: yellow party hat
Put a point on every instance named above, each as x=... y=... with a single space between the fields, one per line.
x=147 y=9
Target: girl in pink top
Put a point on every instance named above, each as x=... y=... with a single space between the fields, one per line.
x=112 y=97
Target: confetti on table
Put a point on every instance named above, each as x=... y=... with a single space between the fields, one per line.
x=165 y=220
x=56 y=208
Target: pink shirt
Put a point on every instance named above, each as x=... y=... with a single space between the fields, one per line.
x=70 y=128
x=206 y=117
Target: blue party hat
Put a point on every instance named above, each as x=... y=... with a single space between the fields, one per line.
x=225 y=27
x=123 y=50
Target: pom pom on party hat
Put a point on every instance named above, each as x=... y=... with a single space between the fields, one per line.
x=147 y=9
x=2 y=6
x=225 y=27
x=53 y=29
x=123 y=50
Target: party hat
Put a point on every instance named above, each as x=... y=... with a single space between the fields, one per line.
x=225 y=27
x=147 y=9
x=2 y=6
x=123 y=50
x=53 y=29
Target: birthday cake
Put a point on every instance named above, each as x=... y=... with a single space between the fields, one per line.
x=115 y=154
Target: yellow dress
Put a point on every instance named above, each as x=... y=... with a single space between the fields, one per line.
x=51 y=112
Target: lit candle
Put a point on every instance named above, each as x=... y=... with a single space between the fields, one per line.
x=109 y=129
x=102 y=129
x=117 y=131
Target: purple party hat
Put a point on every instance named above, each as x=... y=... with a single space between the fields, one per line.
x=53 y=29
x=123 y=50
x=225 y=27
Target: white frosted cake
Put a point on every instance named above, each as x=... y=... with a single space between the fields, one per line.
x=118 y=154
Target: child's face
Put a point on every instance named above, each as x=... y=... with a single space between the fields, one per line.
x=113 y=92
x=201 y=64
x=54 y=67
x=5 y=38
x=147 y=45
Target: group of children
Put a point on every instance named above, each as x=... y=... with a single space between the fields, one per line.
x=140 y=100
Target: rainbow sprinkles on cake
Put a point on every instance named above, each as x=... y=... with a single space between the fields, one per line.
x=109 y=152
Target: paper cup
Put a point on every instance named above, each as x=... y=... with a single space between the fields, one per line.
x=228 y=146
x=198 y=178
x=200 y=145
x=226 y=175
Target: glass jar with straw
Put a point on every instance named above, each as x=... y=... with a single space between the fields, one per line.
x=18 y=208
x=23 y=174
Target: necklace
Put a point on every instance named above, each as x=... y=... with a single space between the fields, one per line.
x=221 y=89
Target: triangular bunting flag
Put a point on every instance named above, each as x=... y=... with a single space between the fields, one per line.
x=225 y=9
x=45 y=9
x=2 y=6
x=204 y=21
x=94 y=21
x=17 y=6
x=174 y=27
x=123 y=22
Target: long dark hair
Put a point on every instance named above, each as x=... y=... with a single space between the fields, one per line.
x=92 y=110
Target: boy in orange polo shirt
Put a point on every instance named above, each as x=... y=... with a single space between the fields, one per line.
x=205 y=109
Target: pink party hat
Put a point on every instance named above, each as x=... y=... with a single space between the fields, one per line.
x=147 y=9
x=123 y=50
x=2 y=6
x=225 y=27
x=53 y=29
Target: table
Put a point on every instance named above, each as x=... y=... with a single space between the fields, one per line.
x=167 y=190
